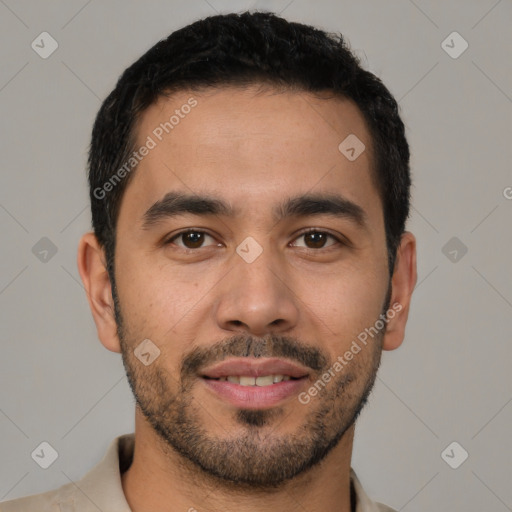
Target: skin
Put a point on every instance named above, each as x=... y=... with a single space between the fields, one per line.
x=254 y=149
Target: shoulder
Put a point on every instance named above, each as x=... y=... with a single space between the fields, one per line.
x=100 y=489
x=364 y=503
x=380 y=508
x=50 y=501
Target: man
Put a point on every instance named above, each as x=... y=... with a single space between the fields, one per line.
x=249 y=187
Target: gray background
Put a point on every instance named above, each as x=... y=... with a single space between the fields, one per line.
x=450 y=381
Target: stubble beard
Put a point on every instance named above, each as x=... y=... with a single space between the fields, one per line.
x=258 y=457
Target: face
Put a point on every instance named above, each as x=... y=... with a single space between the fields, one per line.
x=251 y=253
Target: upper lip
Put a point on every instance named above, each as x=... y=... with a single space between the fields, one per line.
x=252 y=367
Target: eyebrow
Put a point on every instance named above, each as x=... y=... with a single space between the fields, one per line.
x=176 y=203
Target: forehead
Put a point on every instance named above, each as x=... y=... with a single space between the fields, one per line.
x=250 y=145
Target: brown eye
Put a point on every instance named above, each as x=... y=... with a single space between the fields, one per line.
x=190 y=239
x=316 y=239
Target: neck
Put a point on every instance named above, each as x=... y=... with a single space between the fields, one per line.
x=160 y=479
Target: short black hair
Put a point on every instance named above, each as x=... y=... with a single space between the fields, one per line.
x=244 y=49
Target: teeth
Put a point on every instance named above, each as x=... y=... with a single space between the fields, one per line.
x=247 y=381
x=264 y=380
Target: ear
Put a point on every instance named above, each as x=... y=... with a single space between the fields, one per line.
x=403 y=283
x=92 y=267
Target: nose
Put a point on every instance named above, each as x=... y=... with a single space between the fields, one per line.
x=257 y=297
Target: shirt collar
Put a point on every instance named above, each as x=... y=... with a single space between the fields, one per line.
x=101 y=488
x=363 y=502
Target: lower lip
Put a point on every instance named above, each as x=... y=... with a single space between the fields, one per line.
x=255 y=397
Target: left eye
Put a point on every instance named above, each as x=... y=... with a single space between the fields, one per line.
x=316 y=239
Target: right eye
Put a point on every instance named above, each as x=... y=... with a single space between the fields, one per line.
x=190 y=239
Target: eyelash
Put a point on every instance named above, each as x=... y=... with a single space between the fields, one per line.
x=302 y=233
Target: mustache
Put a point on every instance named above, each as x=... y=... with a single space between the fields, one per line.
x=243 y=345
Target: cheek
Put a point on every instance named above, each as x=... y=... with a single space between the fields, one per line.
x=160 y=302
x=346 y=302
x=149 y=304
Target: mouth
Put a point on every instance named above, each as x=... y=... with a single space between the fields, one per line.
x=261 y=381
x=251 y=383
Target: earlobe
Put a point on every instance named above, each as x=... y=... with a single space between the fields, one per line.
x=403 y=283
x=92 y=268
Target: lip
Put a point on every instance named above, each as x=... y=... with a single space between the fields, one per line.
x=254 y=397
x=252 y=367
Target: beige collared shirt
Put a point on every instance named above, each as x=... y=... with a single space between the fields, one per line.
x=101 y=489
